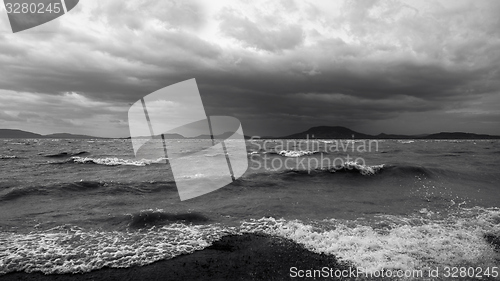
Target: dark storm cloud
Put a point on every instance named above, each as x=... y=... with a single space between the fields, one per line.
x=368 y=87
x=106 y=65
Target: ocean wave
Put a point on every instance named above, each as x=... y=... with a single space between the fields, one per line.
x=396 y=175
x=66 y=154
x=114 y=161
x=450 y=155
x=79 y=186
x=417 y=242
x=18 y=192
x=409 y=170
x=406 y=243
x=70 y=249
x=347 y=167
x=460 y=151
x=19 y=143
x=296 y=153
x=158 y=217
x=365 y=170
x=8 y=157
x=105 y=187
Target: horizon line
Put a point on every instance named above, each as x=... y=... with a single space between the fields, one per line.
x=263 y=136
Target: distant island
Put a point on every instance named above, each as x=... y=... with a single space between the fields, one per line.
x=18 y=134
x=338 y=132
x=321 y=132
x=179 y=136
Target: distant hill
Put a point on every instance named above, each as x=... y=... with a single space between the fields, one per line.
x=459 y=135
x=338 y=132
x=68 y=136
x=18 y=134
x=398 y=137
x=221 y=136
x=178 y=136
x=321 y=132
x=329 y=132
x=166 y=136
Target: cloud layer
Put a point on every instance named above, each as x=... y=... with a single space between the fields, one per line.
x=280 y=67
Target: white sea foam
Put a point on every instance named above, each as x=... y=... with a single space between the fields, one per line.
x=365 y=170
x=406 y=243
x=409 y=243
x=72 y=250
x=114 y=161
x=296 y=153
x=8 y=156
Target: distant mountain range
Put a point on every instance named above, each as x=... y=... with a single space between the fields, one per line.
x=337 y=132
x=178 y=136
x=321 y=132
x=18 y=134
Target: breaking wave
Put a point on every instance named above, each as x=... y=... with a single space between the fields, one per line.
x=8 y=157
x=398 y=243
x=349 y=166
x=68 y=189
x=150 y=218
x=113 y=161
x=422 y=241
x=70 y=249
x=296 y=153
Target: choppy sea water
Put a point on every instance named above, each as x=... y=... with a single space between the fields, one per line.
x=79 y=205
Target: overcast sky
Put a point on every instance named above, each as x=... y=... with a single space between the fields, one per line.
x=406 y=67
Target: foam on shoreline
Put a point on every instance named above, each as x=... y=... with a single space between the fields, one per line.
x=394 y=242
